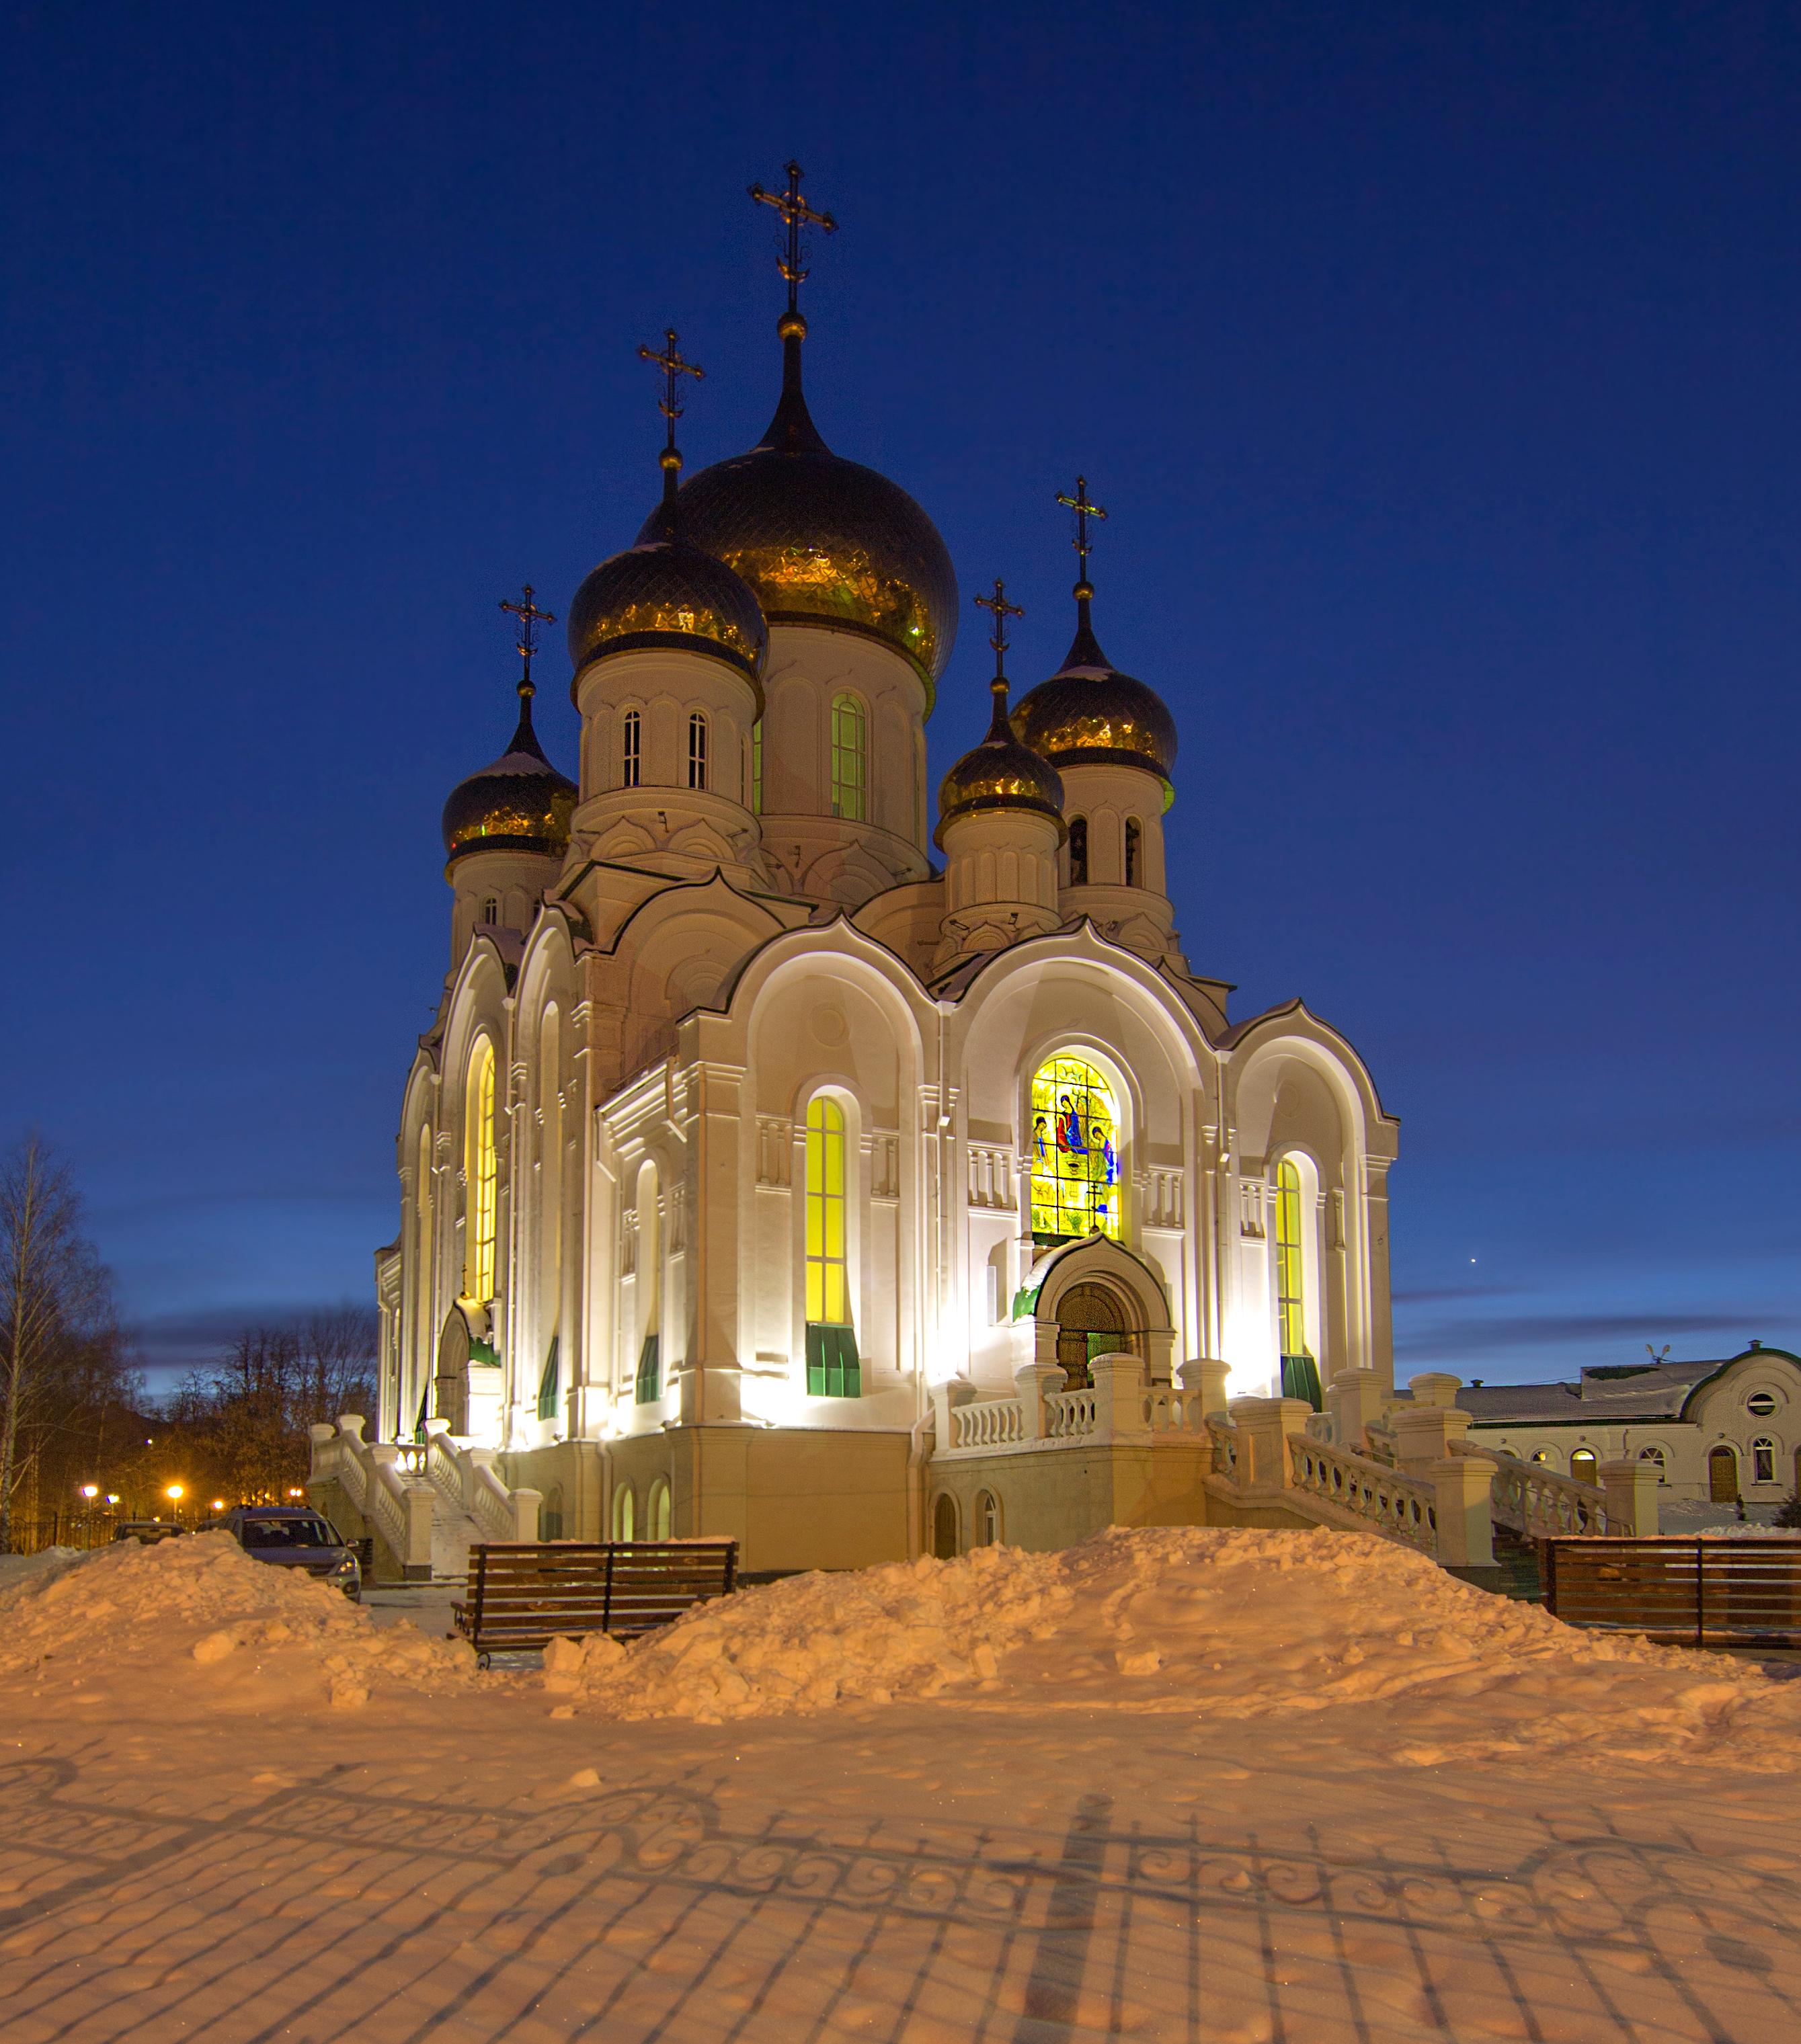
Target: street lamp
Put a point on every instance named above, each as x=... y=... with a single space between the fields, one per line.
x=90 y=1490
x=173 y=1494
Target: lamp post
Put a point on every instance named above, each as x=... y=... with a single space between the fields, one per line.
x=174 y=1495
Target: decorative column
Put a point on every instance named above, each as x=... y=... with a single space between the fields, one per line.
x=1203 y=1386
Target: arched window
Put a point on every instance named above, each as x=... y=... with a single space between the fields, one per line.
x=944 y=1527
x=478 y=1262
x=625 y=1513
x=648 y=1388
x=1656 y=1456
x=1075 y=1152
x=832 y=1367
x=1077 y=851
x=490 y=908
x=424 y=1330
x=631 y=750
x=1300 y=1373
x=1134 y=838
x=987 y=1520
x=757 y=768
x=656 y=1516
x=1541 y=1454
x=1763 y=1461
x=848 y=769
x=1584 y=1465
x=697 y=750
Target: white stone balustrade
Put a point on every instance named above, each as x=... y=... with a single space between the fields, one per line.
x=1400 y=1506
x=1529 y=1498
x=390 y=1498
x=463 y=1474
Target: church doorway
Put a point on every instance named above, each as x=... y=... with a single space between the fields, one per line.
x=1091 y=1320
x=1722 y=1476
x=944 y=1528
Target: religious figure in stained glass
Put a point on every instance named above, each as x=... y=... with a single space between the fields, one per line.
x=1074 y=1152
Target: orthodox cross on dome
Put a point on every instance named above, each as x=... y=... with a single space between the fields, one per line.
x=674 y=368
x=795 y=213
x=1002 y=610
x=1084 y=510
x=530 y=617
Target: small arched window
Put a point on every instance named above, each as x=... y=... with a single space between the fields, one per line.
x=657 y=1515
x=631 y=750
x=1077 y=851
x=987 y=1520
x=1300 y=1373
x=1134 y=839
x=1763 y=1461
x=1541 y=1454
x=477 y=1262
x=1583 y=1464
x=490 y=908
x=625 y=1513
x=1655 y=1456
x=697 y=750
x=944 y=1527
x=757 y=768
x=849 y=767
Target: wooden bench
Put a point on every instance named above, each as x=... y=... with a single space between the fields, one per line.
x=523 y=1594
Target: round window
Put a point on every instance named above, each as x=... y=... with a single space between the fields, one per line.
x=1762 y=1403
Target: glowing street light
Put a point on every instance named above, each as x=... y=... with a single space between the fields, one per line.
x=173 y=1494
x=218 y=1505
x=90 y=1490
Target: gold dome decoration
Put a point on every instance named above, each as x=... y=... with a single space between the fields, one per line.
x=1000 y=773
x=1089 y=713
x=520 y=803
x=664 y=592
x=820 y=540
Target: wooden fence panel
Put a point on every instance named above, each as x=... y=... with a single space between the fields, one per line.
x=1688 y=1592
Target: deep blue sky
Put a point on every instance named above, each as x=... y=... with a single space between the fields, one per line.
x=1438 y=365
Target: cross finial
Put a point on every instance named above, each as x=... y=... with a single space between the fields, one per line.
x=794 y=212
x=530 y=617
x=1084 y=510
x=1002 y=610
x=670 y=362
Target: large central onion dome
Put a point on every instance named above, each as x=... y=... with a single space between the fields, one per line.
x=520 y=803
x=1089 y=713
x=821 y=540
x=1000 y=773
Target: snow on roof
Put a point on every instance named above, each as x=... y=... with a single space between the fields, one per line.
x=1622 y=1391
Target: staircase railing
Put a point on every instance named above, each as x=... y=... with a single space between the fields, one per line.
x=1400 y=1506
x=463 y=1475
x=1535 y=1500
x=389 y=1497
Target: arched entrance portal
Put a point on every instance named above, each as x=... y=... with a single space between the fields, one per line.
x=1092 y=1320
x=1722 y=1476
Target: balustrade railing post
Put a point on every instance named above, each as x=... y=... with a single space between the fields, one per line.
x=1466 y=1525
x=1354 y=1400
x=1032 y=1381
x=1119 y=1394
x=1424 y=1436
x=1203 y=1385
x=1263 y=1426
x=1632 y=1497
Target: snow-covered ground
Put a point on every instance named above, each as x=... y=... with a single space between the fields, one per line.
x=1249 y=1786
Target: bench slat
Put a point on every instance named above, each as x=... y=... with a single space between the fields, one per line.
x=525 y=1593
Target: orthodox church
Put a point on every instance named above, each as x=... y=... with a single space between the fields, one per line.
x=759 y=1164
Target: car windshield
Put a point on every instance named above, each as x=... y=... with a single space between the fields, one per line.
x=286 y=1533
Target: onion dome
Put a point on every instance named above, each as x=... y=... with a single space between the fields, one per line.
x=663 y=593
x=1089 y=713
x=1000 y=773
x=520 y=803
x=821 y=540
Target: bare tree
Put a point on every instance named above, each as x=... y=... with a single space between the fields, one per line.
x=60 y=1362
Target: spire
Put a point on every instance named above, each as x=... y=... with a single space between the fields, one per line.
x=792 y=431
x=530 y=617
x=670 y=362
x=1000 y=731
x=1084 y=651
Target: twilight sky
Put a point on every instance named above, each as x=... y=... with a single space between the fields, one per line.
x=1438 y=366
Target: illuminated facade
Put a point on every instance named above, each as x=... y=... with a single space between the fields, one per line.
x=745 y=1133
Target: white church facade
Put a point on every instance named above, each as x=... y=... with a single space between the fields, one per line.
x=752 y=1145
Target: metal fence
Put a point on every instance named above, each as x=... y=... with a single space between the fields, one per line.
x=62 y=1529
x=1687 y=1592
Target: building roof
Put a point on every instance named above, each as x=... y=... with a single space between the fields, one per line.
x=1612 y=1392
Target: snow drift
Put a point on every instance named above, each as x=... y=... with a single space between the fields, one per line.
x=1221 y=1624
x=204 y=1599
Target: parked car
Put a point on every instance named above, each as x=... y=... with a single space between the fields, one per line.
x=146 y=1532
x=293 y=1537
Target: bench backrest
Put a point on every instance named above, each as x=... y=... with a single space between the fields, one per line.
x=534 y=1590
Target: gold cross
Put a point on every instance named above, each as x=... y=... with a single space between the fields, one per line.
x=670 y=362
x=1084 y=511
x=793 y=212
x=530 y=617
x=1002 y=610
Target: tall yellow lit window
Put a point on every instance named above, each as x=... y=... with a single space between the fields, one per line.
x=477 y=1262
x=848 y=762
x=1074 y=1152
x=833 y=1369
x=1300 y=1374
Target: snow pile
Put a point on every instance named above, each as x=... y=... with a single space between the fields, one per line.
x=1222 y=1624
x=203 y=1598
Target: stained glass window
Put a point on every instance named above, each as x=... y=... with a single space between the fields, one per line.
x=1075 y=1152
x=1290 y=1295
x=828 y=1295
x=478 y=1281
